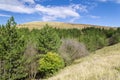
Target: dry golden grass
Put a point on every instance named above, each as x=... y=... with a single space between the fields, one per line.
x=39 y=25
x=103 y=65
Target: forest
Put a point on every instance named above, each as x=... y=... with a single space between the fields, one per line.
x=40 y=53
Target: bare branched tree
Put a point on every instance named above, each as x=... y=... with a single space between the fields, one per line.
x=30 y=57
x=71 y=50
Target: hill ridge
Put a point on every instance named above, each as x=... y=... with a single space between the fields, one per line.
x=39 y=25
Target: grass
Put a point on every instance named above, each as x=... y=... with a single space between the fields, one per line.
x=104 y=64
x=39 y=25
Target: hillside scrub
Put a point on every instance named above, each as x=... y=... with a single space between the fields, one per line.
x=104 y=65
x=71 y=49
x=115 y=38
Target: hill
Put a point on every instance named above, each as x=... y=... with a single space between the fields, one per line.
x=103 y=65
x=39 y=25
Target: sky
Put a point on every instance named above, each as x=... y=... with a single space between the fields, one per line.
x=96 y=12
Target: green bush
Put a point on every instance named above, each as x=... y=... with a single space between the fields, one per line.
x=49 y=64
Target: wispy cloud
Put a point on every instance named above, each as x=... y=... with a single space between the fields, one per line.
x=94 y=17
x=55 y=12
x=4 y=15
x=103 y=0
x=16 y=6
x=29 y=1
x=116 y=1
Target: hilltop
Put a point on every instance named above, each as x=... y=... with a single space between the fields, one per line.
x=39 y=25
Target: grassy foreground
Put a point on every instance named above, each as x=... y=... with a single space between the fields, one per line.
x=104 y=64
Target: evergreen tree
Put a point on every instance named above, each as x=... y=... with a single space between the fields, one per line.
x=48 y=40
x=93 y=38
x=11 y=52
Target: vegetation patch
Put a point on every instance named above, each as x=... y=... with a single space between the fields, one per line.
x=50 y=64
x=117 y=68
x=71 y=50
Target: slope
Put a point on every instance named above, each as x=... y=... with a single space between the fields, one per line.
x=104 y=64
x=39 y=25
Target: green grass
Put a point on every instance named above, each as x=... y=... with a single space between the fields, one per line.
x=104 y=64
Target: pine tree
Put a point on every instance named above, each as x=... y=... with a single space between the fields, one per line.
x=11 y=52
x=48 y=40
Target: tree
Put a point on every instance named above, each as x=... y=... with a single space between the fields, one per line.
x=115 y=38
x=31 y=60
x=48 y=40
x=12 y=47
x=93 y=38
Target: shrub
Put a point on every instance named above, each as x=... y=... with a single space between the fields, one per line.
x=30 y=57
x=50 y=63
x=71 y=50
x=115 y=38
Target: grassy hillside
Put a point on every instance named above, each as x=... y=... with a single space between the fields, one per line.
x=39 y=25
x=103 y=65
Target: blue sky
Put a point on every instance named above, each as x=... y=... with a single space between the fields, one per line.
x=97 y=12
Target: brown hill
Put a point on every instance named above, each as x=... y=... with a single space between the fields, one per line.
x=39 y=25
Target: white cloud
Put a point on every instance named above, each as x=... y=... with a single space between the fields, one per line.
x=79 y=7
x=47 y=12
x=18 y=9
x=4 y=15
x=48 y=18
x=54 y=12
x=15 y=6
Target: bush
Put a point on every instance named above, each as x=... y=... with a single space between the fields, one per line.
x=115 y=38
x=30 y=57
x=71 y=50
x=49 y=64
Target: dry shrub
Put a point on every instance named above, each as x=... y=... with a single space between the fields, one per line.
x=30 y=59
x=71 y=49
